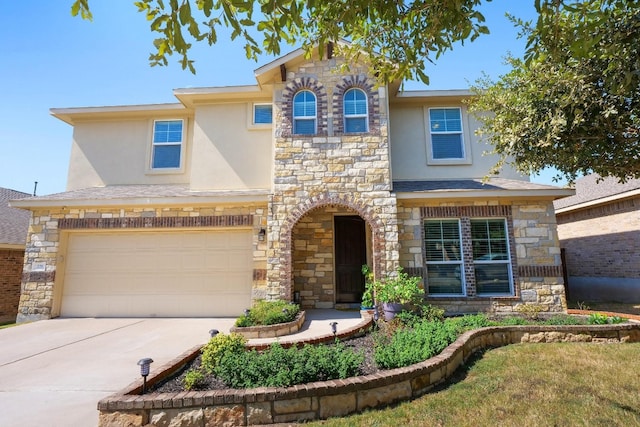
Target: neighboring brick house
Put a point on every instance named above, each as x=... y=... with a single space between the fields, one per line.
x=14 y=224
x=599 y=228
x=284 y=189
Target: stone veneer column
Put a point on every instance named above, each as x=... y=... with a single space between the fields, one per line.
x=329 y=169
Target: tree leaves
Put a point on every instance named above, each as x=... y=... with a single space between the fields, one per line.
x=397 y=37
x=573 y=102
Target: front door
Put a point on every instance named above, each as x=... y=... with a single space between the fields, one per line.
x=351 y=254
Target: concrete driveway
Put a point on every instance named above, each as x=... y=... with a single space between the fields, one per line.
x=54 y=372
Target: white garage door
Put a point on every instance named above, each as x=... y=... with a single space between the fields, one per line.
x=163 y=274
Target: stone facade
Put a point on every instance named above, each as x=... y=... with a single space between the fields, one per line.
x=47 y=226
x=329 y=169
x=533 y=242
x=11 y=261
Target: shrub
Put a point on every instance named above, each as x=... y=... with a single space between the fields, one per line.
x=562 y=319
x=400 y=289
x=220 y=345
x=193 y=379
x=269 y=313
x=280 y=367
x=471 y=321
x=530 y=311
x=603 y=319
x=412 y=345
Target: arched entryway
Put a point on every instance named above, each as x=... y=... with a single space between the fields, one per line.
x=329 y=246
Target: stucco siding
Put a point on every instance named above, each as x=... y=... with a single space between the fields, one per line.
x=229 y=155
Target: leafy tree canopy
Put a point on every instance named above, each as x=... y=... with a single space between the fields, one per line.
x=572 y=102
x=398 y=37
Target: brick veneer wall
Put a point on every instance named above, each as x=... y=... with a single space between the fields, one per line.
x=602 y=241
x=535 y=251
x=43 y=241
x=11 y=261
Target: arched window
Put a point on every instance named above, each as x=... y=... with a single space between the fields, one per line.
x=356 y=117
x=304 y=113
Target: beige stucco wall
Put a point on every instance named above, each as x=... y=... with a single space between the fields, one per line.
x=116 y=152
x=410 y=144
x=228 y=153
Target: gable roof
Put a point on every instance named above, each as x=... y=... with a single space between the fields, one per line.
x=590 y=192
x=14 y=223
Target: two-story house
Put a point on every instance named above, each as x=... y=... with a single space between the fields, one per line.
x=284 y=189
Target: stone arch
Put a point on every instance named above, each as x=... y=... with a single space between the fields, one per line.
x=293 y=87
x=373 y=100
x=360 y=206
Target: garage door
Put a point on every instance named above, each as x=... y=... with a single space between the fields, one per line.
x=163 y=274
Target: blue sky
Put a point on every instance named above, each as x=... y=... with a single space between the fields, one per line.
x=50 y=59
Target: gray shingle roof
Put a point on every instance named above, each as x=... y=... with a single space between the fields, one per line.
x=467 y=184
x=14 y=223
x=588 y=190
x=139 y=192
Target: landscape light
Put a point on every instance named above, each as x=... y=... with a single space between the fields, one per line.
x=144 y=371
x=213 y=332
x=334 y=328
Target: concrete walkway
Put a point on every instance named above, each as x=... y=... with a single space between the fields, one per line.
x=53 y=372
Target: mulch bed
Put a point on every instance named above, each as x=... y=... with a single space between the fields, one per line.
x=175 y=384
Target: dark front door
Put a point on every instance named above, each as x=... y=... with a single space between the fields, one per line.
x=351 y=254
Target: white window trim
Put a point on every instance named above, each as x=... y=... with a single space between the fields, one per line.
x=150 y=170
x=346 y=116
x=314 y=118
x=251 y=108
x=505 y=261
x=465 y=133
x=463 y=294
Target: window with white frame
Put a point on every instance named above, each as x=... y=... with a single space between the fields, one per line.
x=304 y=113
x=445 y=126
x=167 y=144
x=262 y=114
x=445 y=267
x=356 y=117
x=491 y=258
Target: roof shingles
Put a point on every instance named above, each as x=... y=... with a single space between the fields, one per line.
x=14 y=223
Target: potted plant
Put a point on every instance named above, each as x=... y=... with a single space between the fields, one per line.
x=397 y=292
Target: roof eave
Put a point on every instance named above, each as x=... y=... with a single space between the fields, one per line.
x=195 y=200
x=487 y=194
x=597 y=202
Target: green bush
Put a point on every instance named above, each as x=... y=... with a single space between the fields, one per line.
x=220 y=345
x=603 y=319
x=280 y=367
x=269 y=313
x=412 y=345
x=563 y=319
x=193 y=379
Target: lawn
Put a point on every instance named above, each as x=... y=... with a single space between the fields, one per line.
x=528 y=385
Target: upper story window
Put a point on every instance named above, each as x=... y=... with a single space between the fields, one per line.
x=445 y=267
x=262 y=114
x=167 y=144
x=304 y=113
x=491 y=260
x=445 y=126
x=356 y=117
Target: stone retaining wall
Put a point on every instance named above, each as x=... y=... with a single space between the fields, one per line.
x=271 y=331
x=335 y=398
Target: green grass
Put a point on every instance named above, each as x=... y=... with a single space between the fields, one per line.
x=577 y=384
